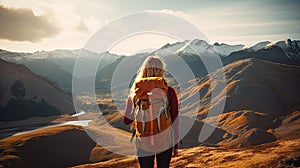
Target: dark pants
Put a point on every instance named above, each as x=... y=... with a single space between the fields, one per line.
x=162 y=159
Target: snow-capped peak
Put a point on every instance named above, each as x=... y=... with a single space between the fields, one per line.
x=259 y=45
x=291 y=48
x=196 y=47
x=225 y=49
x=286 y=44
x=170 y=48
x=198 y=42
x=58 y=53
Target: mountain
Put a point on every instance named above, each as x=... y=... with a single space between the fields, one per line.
x=24 y=94
x=130 y=65
x=61 y=146
x=225 y=49
x=197 y=46
x=260 y=95
x=258 y=46
x=43 y=65
x=262 y=98
x=259 y=126
x=285 y=52
x=291 y=48
x=170 y=48
x=57 y=65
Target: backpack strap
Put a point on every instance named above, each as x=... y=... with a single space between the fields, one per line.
x=168 y=101
x=163 y=108
x=136 y=109
x=143 y=119
x=151 y=123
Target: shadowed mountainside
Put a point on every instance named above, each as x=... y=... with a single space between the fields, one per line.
x=24 y=94
x=57 y=65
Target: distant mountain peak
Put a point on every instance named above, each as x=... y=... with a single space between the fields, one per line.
x=195 y=47
x=290 y=47
x=168 y=45
x=170 y=48
x=284 y=44
x=199 y=42
x=288 y=41
x=226 y=49
x=220 y=44
x=259 y=45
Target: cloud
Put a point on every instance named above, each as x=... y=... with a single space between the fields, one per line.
x=171 y=12
x=21 y=24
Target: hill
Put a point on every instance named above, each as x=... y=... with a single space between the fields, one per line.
x=260 y=97
x=275 y=154
x=24 y=94
x=61 y=146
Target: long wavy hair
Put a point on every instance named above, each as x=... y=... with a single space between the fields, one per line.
x=153 y=66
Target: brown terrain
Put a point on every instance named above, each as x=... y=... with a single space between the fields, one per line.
x=262 y=102
x=70 y=146
x=275 y=154
x=260 y=127
x=60 y=146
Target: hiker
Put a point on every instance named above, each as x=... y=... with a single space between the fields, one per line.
x=152 y=109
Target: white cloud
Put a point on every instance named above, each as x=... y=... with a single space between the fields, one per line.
x=21 y=24
x=75 y=28
x=172 y=12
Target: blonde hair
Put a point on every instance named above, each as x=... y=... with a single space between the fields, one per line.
x=153 y=66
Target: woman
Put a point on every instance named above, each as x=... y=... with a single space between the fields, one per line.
x=154 y=67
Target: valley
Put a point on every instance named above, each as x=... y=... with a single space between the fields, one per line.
x=259 y=125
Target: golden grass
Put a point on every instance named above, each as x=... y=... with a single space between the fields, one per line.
x=56 y=147
x=267 y=155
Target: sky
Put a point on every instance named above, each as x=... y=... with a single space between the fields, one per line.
x=35 y=25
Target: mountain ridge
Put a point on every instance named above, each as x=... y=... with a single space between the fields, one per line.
x=22 y=90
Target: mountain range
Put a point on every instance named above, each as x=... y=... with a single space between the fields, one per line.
x=261 y=91
x=58 y=65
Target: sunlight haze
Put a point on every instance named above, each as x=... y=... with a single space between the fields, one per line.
x=67 y=24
